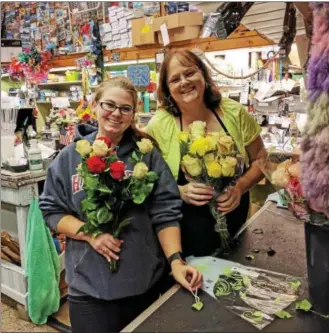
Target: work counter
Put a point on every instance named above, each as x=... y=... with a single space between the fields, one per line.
x=282 y=232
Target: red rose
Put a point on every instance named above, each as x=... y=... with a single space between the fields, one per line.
x=117 y=170
x=86 y=117
x=294 y=188
x=105 y=139
x=96 y=164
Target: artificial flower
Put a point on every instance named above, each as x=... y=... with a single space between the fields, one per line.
x=192 y=165
x=214 y=169
x=197 y=130
x=225 y=144
x=145 y=145
x=100 y=148
x=96 y=164
x=117 y=170
x=83 y=147
x=140 y=170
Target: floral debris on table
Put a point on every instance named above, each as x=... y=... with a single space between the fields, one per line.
x=285 y=175
x=108 y=188
x=212 y=159
x=256 y=295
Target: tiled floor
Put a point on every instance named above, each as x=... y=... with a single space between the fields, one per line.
x=11 y=323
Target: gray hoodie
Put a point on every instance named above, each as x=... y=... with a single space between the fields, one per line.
x=142 y=262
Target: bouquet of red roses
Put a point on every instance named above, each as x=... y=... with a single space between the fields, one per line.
x=108 y=188
x=284 y=173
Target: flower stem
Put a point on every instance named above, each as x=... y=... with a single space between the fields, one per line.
x=114 y=265
x=220 y=226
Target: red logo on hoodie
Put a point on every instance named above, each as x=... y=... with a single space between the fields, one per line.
x=77 y=183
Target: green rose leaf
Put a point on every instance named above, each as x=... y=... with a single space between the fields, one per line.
x=135 y=157
x=295 y=284
x=283 y=314
x=104 y=215
x=88 y=204
x=198 y=306
x=91 y=182
x=104 y=189
x=304 y=305
x=108 y=206
x=139 y=197
x=151 y=176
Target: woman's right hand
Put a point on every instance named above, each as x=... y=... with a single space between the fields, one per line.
x=106 y=245
x=196 y=194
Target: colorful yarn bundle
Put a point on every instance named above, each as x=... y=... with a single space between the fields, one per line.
x=315 y=144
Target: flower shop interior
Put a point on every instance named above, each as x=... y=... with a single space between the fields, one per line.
x=265 y=56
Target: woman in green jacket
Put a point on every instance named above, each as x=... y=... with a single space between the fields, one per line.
x=187 y=93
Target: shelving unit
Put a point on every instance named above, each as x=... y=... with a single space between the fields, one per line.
x=59 y=84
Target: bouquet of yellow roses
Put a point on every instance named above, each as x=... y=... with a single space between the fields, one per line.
x=211 y=159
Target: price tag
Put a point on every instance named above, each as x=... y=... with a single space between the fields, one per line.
x=164 y=34
x=60 y=102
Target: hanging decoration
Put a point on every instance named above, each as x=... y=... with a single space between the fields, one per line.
x=31 y=65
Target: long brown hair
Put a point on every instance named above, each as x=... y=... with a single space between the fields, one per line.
x=212 y=96
x=124 y=83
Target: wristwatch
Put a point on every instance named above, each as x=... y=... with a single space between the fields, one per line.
x=175 y=256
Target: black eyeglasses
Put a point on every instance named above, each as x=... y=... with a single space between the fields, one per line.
x=111 y=107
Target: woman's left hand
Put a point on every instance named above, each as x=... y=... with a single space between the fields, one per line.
x=229 y=200
x=188 y=276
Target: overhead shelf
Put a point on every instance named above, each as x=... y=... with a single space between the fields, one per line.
x=242 y=38
x=59 y=84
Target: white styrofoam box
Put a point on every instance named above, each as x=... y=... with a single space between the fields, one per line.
x=13 y=282
x=113 y=19
x=123 y=31
x=115 y=26
x=116 y=37
x=106 y=27
x=115 y=32
x=120 y=14
x=107 y=37
x=123 y=23
x=113 y=10
x=129 y=25
x=125 y=35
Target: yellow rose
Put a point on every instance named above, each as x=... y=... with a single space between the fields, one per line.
x=192 y=165
x=145 y=145
x=83 y=148
x=210 y=157
x=100 y=148
x=285 y=165
x=197 y=129
x=231 y=161
x=214 y=169
x=228 y=169
x=183 y=137
x=225 y=144
x=140 y=170
x=280 y=177
x=214 y=137
x=200 y=146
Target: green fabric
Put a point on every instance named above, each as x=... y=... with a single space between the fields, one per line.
x=42 y=268
x=239 y=123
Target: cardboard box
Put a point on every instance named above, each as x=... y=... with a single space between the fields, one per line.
x=182 y=33
x=181 y=26
x=142 y=31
